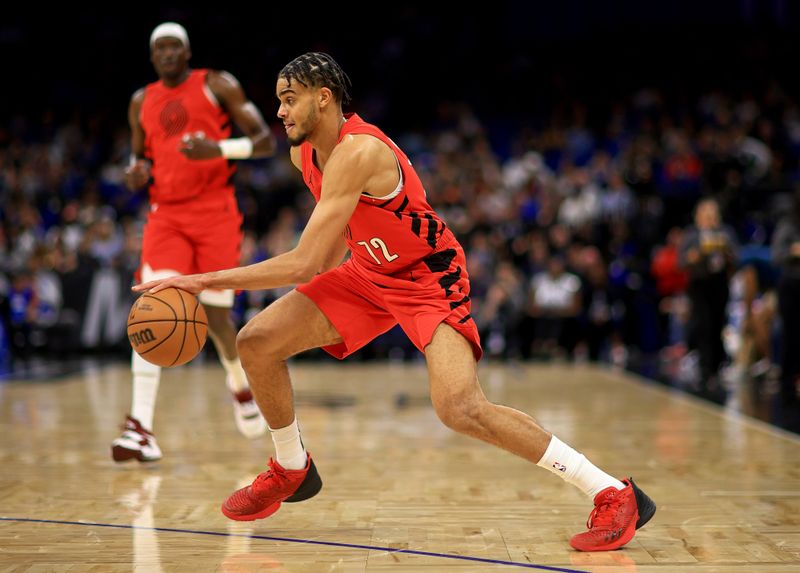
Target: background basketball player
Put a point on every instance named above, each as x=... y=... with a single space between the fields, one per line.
x=180 y=140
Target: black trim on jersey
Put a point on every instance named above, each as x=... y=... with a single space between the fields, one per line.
x=456 y=303
x=385 y=202
x=449 y=280
x=432 y=227
x=438 y=262
x=465 y=319
x=416 y=224
x=402 y=206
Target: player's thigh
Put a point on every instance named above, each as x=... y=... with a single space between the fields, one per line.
x=452 y=369
x=290 y=325
x=166 y=251
x=217 y=245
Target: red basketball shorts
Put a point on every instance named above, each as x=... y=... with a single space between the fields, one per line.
x=362 y=304
x=189 y=239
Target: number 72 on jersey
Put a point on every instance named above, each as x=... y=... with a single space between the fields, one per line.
x=377 y=243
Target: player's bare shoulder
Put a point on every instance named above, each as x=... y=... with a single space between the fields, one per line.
x=222 y=80
x=366 y=150
x=372 y=157
x=135 y=107
x=137 y=99
x=224 y=86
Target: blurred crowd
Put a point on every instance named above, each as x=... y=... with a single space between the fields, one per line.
x=653 y=229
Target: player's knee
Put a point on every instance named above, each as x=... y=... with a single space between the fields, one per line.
x=458 y=412
x=258 y=341
x=247 y=341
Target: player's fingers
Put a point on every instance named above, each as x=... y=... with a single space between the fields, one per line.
x=146 y=286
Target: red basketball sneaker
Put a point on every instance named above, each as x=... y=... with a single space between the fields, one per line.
x=135 y=443
x=616 y=516
x=269 y=489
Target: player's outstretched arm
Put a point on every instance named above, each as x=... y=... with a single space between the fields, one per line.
x=353 y=165
x=258 y=140
x=336 y=256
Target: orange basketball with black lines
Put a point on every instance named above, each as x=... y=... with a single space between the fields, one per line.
x=167 y=328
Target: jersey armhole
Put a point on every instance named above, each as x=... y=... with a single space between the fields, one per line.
x=210 y=94
x=397 y=189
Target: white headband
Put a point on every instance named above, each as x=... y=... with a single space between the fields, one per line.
x=169 y=30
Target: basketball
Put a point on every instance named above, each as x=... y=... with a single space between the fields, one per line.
x=167 y=328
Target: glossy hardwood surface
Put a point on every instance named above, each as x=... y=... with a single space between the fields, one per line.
x=728 y=488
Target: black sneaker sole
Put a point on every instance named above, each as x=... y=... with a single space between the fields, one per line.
x=309 y=488
x=645 y=505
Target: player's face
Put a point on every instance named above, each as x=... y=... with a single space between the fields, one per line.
x=298 y=110
x=170 y=58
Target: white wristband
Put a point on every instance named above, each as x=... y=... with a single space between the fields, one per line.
x=240 y=148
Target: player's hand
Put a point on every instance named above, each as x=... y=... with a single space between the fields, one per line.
x=190 y=283
x=196 y=146
x=137 y=174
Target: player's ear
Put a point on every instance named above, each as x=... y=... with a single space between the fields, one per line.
x=324 y=97
x=188 y=54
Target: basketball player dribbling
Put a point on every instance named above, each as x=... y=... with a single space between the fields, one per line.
x=180 y=139
x=405 y=267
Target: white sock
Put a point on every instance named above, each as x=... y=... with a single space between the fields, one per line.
x=574 y=468
x=237 y=379
x=146 y=377
x=289 y=449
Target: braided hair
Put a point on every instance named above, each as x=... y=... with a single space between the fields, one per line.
x=317 y=69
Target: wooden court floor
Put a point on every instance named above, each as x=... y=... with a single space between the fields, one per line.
x=402 y=493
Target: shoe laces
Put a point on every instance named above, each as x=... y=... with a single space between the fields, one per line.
x=133 y=425
x=275 y=470
x=603 y=514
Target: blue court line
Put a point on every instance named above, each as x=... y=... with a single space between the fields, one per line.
x=308 y=541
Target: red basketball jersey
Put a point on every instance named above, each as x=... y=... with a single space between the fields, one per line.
x=386 y=234
x=167 y=114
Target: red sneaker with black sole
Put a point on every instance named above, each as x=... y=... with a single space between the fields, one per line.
x=616 y=516
x=264 y=496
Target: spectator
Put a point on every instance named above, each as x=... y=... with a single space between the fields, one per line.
x=555 y=303
x=671 y=281
x=603 y=310
x=23 y=306
x=708 y=252
x=786 y=255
